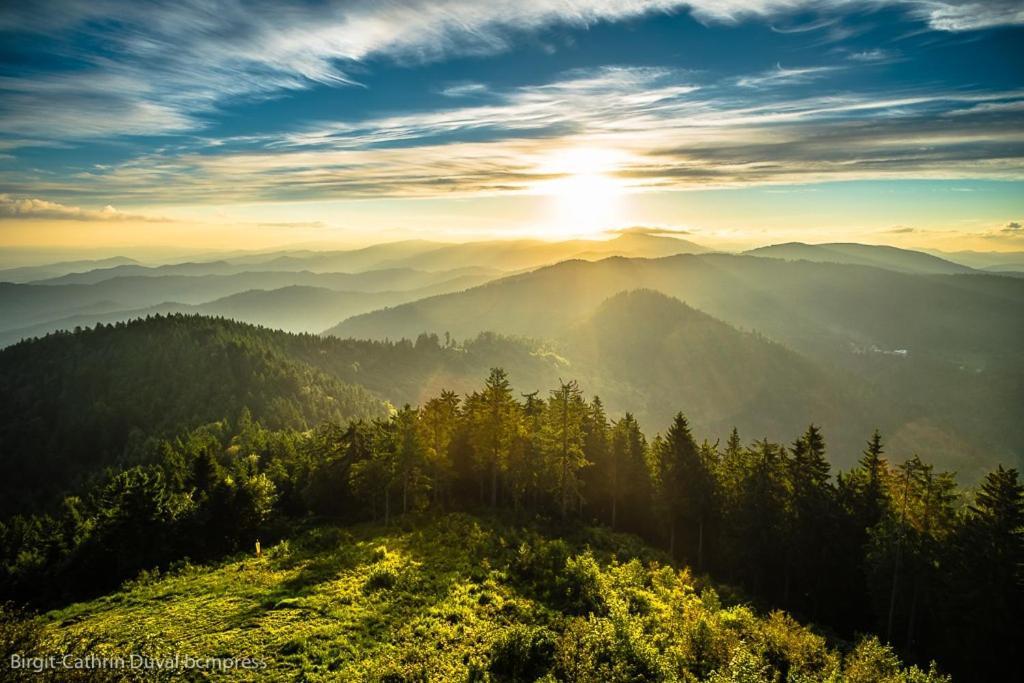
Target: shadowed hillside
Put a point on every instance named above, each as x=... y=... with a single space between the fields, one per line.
x=77 y=403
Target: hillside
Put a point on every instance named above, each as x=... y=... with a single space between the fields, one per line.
x=648 y=354
x=32 y=273
x=32 y=306
x=813 y=307
x=457 y=597
x=878 y=256
x=77 y=403
x=935 y=357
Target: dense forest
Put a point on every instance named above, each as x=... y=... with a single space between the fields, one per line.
x=894 y=549
x=76 y=403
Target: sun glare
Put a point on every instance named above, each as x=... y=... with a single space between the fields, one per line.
x=585 y=196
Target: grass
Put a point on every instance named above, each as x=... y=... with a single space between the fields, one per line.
x=451 y=598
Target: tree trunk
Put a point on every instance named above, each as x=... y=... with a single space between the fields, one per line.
x=910 y=618
x=405 y=493
x=387 y=506
x=896 y=562
x=615 y=509
x=700 y=543
x=672 y=540
x=494 y=482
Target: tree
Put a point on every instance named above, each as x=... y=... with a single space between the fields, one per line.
x=438 y=424
x=811 y=527
x=409 y=452
x=989 y=579
x=599 y=475
x=685 y=485
x=563 y=438
x=494 y=417
x=629 y=479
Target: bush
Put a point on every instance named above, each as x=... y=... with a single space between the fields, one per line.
x=581 y=582
x=381 y=577
x=522 y=654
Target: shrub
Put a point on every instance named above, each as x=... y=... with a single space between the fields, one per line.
x=381 y=577
x=582 y=585
x=522 y=654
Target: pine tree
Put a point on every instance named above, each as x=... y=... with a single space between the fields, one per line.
x=563 y=438
x=439 y=422
x=495 y=416
x=630 y=478
x=684 y=483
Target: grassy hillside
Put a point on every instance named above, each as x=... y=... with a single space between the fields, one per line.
x=457 y=597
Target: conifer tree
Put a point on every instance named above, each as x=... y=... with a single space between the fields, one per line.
x=563 y=438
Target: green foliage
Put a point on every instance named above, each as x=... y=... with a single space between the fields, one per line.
x=522 y=654
x=316 y=609
x=885 y=550
x=76 y=403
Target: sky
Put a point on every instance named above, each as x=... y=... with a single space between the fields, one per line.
x=199 y=125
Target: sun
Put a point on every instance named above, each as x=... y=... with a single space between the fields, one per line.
x=585 y=196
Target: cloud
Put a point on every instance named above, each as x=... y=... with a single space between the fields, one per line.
x=874 y=55
x=166 y=66
x=465 y=90
x=901 y=230
x=651 y=230
x=659 y=130
x=293 y=224
x=30 y=208
x=781 y=76
x=1013 y=228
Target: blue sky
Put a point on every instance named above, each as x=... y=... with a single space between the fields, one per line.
x=247 y=124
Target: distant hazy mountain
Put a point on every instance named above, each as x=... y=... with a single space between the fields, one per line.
x=995 y=260
x=809 y=306
x=28 y=308
x=311 y=309
x=30 y=273
x=936 y=356
x=522 y=254
x=903 y=260
x=506 y=255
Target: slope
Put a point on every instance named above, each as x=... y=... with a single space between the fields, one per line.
x=937 y=356
x=652 y=355
x=77 y=403
x=812 y=307
x=879 y=256
x=36 y=309
x=456 y=597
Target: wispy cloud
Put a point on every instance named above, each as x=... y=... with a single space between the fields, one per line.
x=32 y=208
x=784 y=76
x=165 y=65
x=665 y=132
x=874 y=55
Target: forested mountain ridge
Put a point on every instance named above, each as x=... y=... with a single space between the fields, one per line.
x=811 y=307
x=872 y=549
x=77 y=403
x=644 y=352
x=937 y=356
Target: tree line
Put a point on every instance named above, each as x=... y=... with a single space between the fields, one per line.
x=895 y=549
